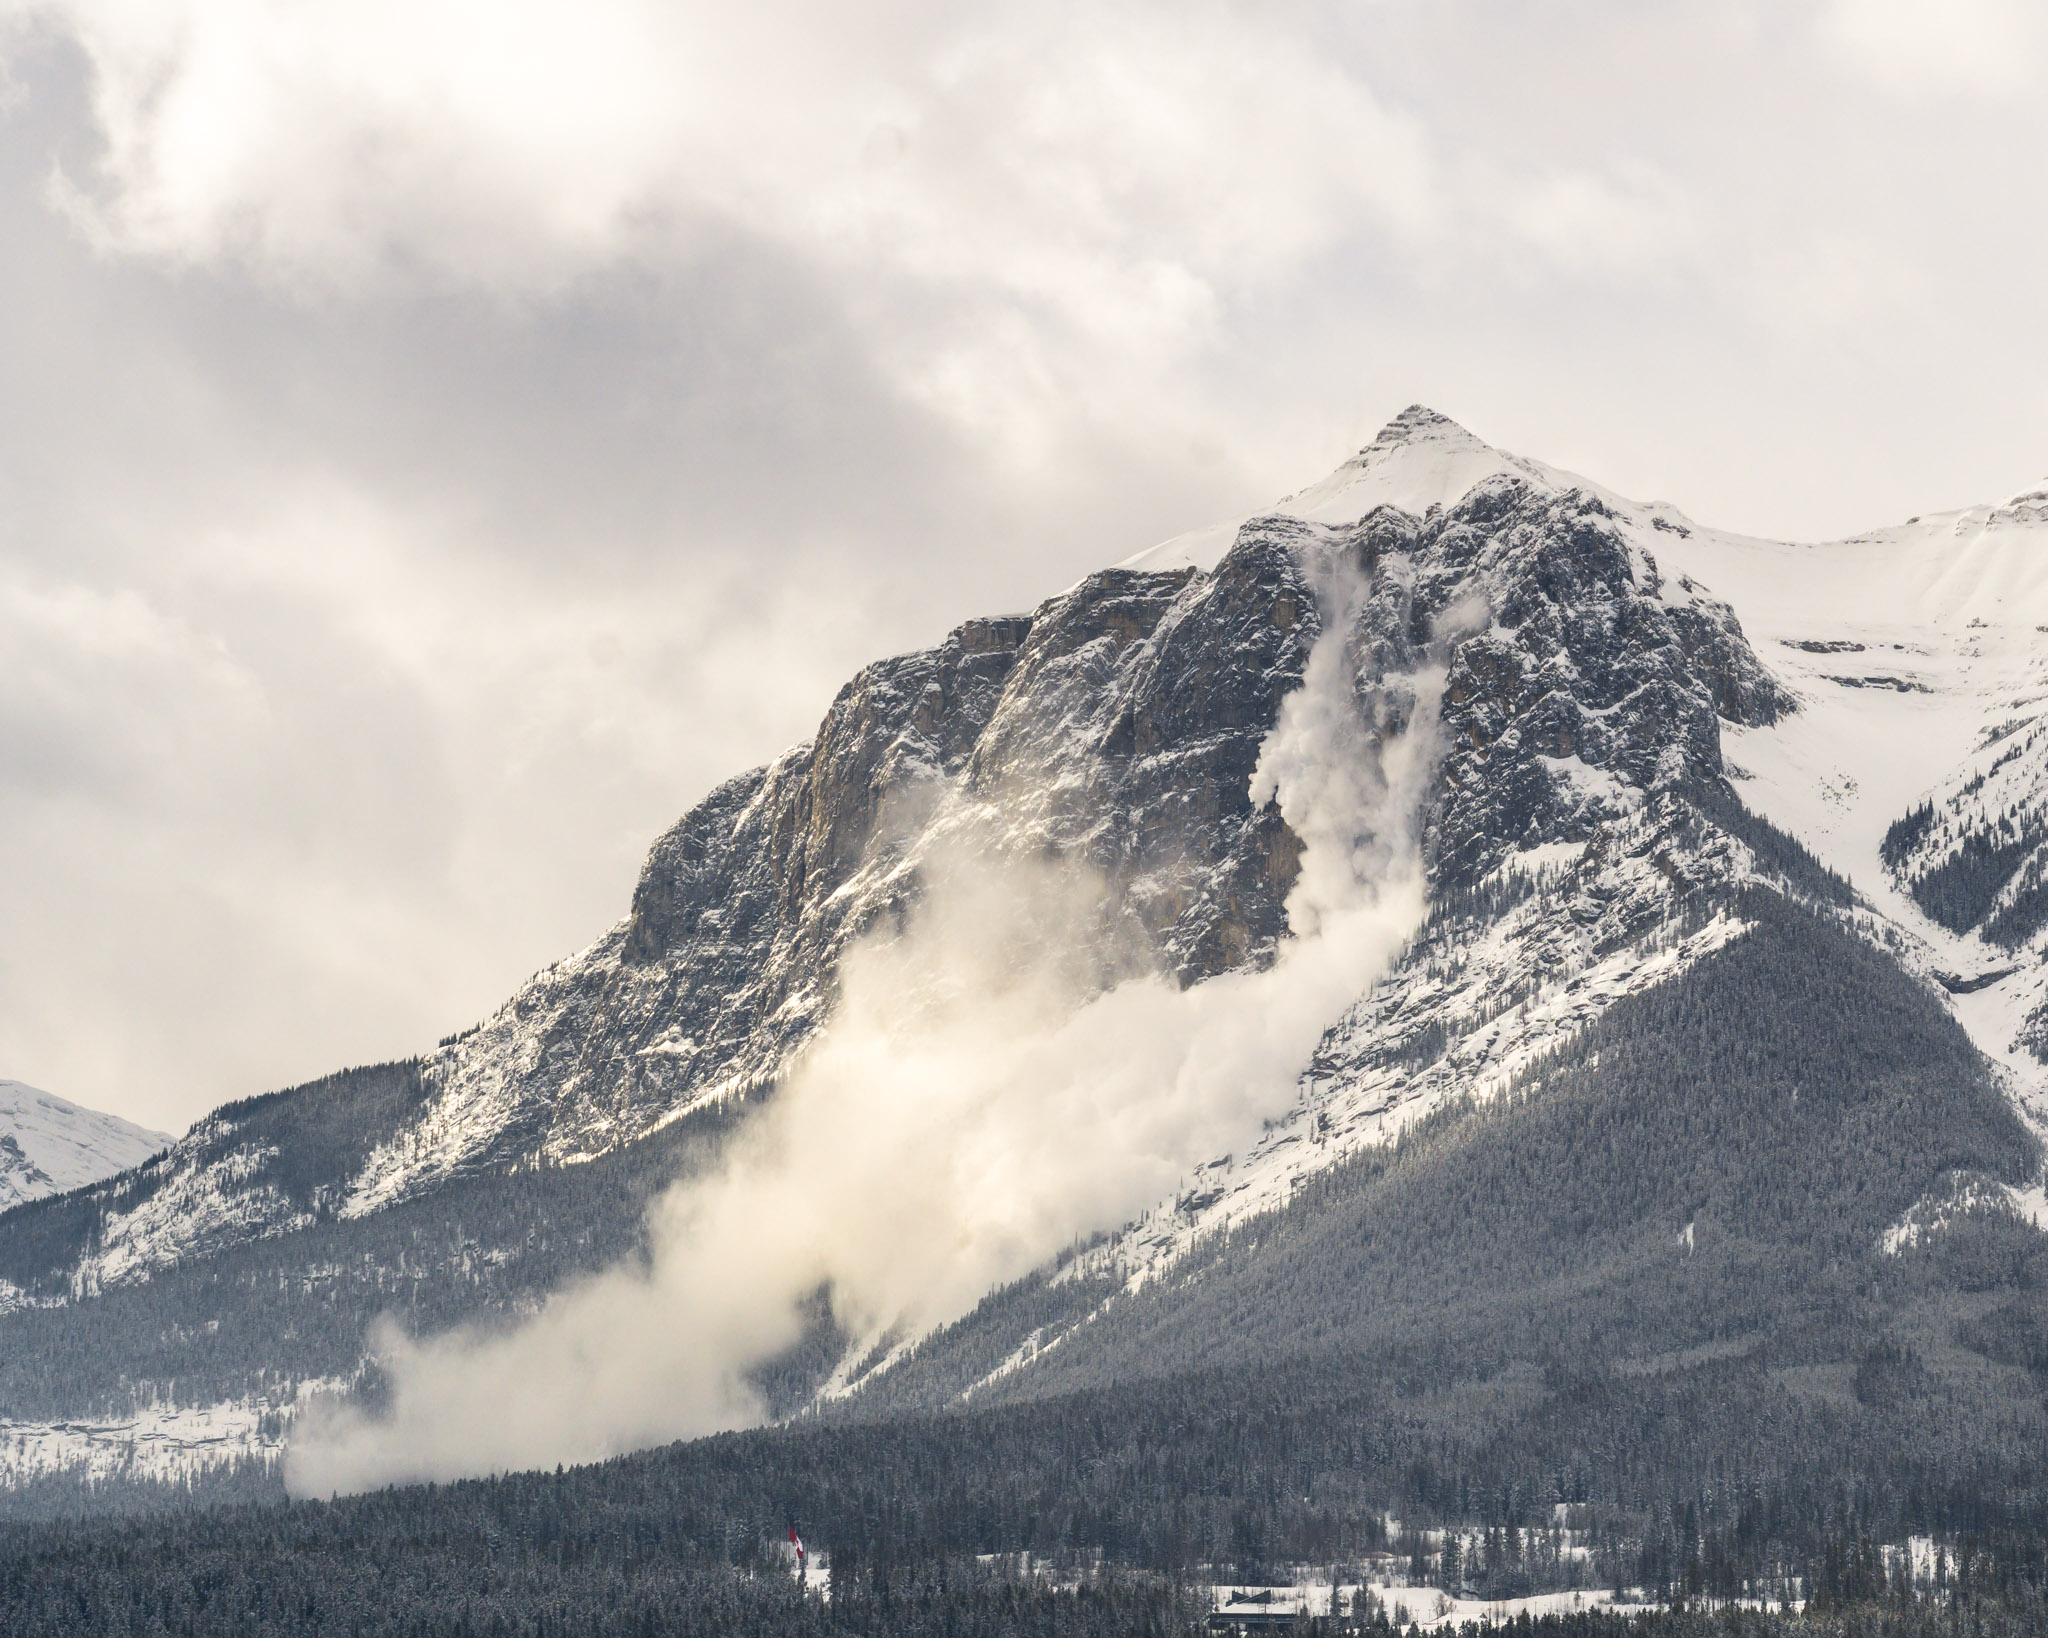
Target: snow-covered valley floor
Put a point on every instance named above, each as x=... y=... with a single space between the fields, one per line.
x=163 y=1443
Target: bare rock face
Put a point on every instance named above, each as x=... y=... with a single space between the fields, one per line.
x=1116 y=728
x=1579 y=681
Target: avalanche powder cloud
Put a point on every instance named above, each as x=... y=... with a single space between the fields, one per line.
x=969 y=1110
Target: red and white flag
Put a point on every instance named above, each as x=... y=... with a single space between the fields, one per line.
x=797 y=1542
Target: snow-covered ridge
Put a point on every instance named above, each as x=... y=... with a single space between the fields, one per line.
x=49 y=1145
x=1987 y=561
x=1420 y=460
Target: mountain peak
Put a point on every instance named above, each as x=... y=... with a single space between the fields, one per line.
x=1418 y=423
x=1420 y=459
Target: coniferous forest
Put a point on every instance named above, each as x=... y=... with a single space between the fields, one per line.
x=1112 y=1510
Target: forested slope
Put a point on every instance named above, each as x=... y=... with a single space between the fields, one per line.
x=1712 y=1166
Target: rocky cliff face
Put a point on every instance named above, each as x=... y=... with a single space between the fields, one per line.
x=1116 y=726
x=1579 y=678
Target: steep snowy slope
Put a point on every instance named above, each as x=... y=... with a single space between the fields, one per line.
x=48 y=1145
x=1713 y=1167
x=1918 y=657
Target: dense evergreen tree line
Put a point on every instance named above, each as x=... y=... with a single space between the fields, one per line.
x=1707 y=1484
x=1130 y=1497
x=1962 y=891
x=1904 y=834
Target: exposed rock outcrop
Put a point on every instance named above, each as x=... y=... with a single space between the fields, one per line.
x=1116 y=728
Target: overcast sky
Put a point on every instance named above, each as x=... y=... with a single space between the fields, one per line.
x=439 y=439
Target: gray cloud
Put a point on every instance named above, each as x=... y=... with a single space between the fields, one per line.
x=438 y=443
x=1971 y=48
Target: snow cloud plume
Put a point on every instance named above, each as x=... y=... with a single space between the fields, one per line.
x=979 y=1100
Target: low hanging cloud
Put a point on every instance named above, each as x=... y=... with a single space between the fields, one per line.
x=518 y=145
x=1009 y=202
x=1919 y=48
x=970 y=1109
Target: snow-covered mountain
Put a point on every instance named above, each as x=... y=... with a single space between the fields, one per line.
x=1118 y=723
x=1910 y=759
x=48 y=1145
x=1659 y=743
x=1880 y=701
